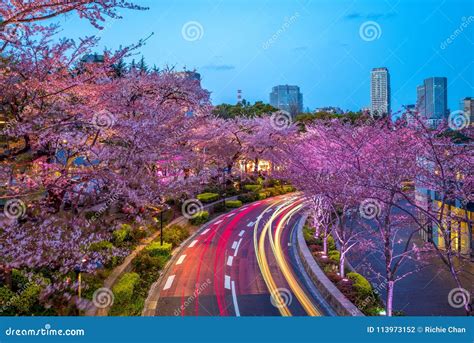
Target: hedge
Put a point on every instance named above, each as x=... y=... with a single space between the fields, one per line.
x=123 y=290
x=156 y=249
x=252 y=188
x=233 y=203
x=200 y=218
x=245 y=198
x=208 y=197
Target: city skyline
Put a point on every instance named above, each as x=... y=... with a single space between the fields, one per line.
x=252 y=48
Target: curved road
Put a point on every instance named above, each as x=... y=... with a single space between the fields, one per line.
x=242 y=264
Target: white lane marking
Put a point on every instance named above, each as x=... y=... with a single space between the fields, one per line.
x=234 y=299
x=230 y=215
x=241 y=233
x=237 y=247
x=227 y=281
x=181 y=259
x=169 y=282
x=234 y=245
x=193 y=243
x=230 y=259
x=205 y=231
x=218 y=222
x=250 y=224
x=243 y=208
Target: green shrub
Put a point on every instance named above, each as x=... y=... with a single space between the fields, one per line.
x=208 y=197
x=252 y=188
x=92 y=283
x=27 y=299
x=360 y=284
x=249 y=197
x=263 y=195
x=139 y=233
x=200 y=218
x=101 y=246
x=175 y=234
x=122 y=234
x=156 y=249
x=6 y=301
x=331 y=243
x=233 y=203
x=144 y=263
x=334 y=255
x=287 y=188
x=308 y=234
x=123 y=290
x=19 y=280
x=274 y=191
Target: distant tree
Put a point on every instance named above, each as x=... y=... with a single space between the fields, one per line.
x=120 y=68
x=243 y=109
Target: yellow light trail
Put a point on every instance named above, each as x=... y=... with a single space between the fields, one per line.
x=296 y=288
x=259 y=245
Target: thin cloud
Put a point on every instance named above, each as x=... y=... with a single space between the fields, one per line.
x=219 y=67
x=371 y=16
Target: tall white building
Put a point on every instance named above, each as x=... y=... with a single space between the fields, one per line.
x=380 y=91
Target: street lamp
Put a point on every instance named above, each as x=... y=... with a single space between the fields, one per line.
x=164 y=207
x=78 y=270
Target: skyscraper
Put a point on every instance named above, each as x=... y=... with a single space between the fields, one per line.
x=432 y=99
x=467 y=105
x=287 y=98
x=380 y=91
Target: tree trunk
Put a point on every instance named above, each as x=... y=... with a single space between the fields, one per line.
x=389 y=306
x=325 y=244
x=342 y=260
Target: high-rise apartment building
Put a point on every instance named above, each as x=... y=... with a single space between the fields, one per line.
x=380 y=92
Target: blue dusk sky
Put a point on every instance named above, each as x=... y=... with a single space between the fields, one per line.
x=325 y=47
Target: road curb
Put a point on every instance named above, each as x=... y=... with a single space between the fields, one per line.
x=339 y=303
